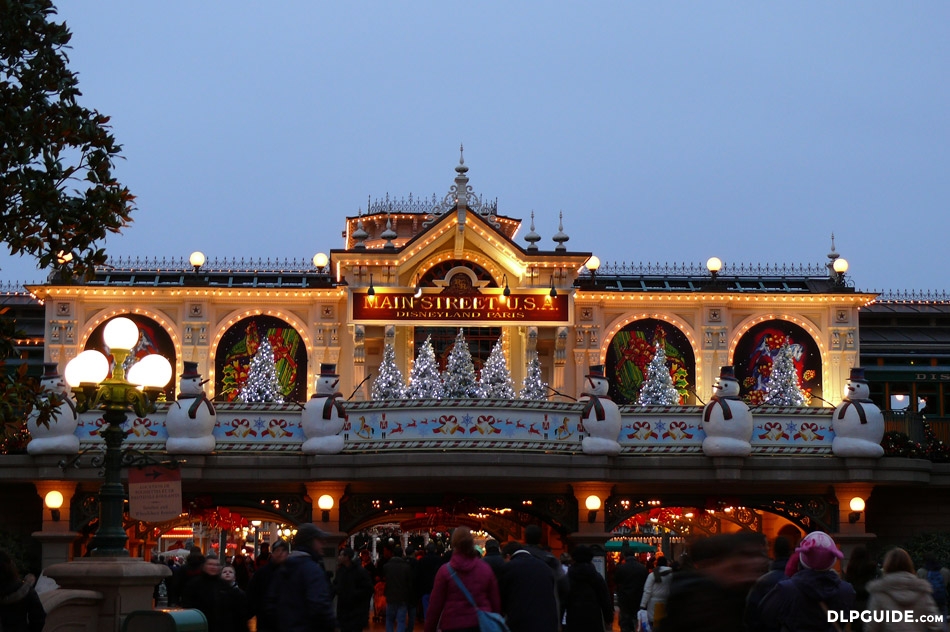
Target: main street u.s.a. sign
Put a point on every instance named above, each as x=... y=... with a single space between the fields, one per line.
x=492 y=307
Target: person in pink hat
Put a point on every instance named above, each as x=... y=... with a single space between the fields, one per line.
x=802 y=602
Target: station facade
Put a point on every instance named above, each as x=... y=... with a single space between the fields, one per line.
x=412 y=270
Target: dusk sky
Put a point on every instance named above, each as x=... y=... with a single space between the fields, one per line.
x=664 y=131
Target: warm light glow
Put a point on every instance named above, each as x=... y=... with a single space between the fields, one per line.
x=593 y=263
x=714 y=264
x=256 y=523
x=152 y=370
x=120 y=333
x=857 y=504
x=63 y=257
x=89 y=366
x=53 y=499
x=325 y=502
x=197 y=259
x=592 y=503
x=320 y=260
x=841 y=265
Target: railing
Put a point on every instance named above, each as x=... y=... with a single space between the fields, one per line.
x=911 y=424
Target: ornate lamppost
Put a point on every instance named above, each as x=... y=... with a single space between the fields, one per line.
x=88 y=375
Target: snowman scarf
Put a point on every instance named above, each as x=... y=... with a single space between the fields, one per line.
x=331 y=403
x=722 y=401
x=199 y=399
x=863 y=416
x=593 y=404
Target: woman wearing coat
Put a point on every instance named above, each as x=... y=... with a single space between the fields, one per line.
x=901 y=589
x=449 y=609
x=656 y=590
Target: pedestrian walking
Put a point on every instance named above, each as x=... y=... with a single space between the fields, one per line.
x=656 y=590
x=209 y=593
x=630 y=578
x=236 y=610
x=527 y=594
x=781 y=551
x=354 y=589
x=259 y=586
x=400 y=593
x=589 y=606
x=449 y=608
x=299 y=597
x=901 y=590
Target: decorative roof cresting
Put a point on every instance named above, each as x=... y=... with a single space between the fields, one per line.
x=462 y=196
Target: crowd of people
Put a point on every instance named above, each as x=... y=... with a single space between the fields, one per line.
x=728 y=583
x=723 y=582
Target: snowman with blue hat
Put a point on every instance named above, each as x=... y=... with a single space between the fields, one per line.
x=857 y=421
x=323 y=417
x=59 y=435
x=600 y=415
x=727 y=420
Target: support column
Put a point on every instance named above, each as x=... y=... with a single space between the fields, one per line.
x=591 y=527
x=56 y=538
x=851 y=534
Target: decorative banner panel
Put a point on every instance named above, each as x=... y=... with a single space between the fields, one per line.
x=467 y=425
x=489 y=306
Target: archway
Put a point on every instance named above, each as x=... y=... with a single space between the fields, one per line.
x=758 y=347
x=240 y=343
x=630 y=351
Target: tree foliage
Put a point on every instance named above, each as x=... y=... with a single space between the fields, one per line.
x=58 y=196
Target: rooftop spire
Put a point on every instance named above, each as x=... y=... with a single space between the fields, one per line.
x=560 y=237
x=532 y=237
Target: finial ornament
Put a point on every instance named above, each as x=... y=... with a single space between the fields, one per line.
x=532 y=237
x=560 y=237
x=462 y=197
x=389 y=234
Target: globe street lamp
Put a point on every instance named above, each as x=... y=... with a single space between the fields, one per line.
x=87 y=374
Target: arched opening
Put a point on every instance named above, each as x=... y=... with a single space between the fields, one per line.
x=633 y=347
x=242 y=342
x=757 y=349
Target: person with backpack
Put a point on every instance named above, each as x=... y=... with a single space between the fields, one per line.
x=939 y=578
x=901 y=590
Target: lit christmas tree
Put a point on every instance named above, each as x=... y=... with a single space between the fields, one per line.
x=783 y=388
x=389 y=383
x=261 y=384
x=424 y=379
x=459 y=376
x=495 y=379
x=533 y=387
x=658 y=389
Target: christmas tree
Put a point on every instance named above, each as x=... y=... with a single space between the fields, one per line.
x=459 y=376
x=658 y=389
x=424 y=379
x=261 y=384
x=783 y=388
x=389 y=384
x=495 y=379
x=533 y=387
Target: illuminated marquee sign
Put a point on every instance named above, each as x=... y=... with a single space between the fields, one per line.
x=523 y=309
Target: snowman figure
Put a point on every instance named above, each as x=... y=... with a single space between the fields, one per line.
x=857 y=422
x=726 y=419
x=59 y=436
x=323 y=416
x=191 y=420
x=600 y=416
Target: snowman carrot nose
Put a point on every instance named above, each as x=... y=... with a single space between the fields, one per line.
x=203 y=382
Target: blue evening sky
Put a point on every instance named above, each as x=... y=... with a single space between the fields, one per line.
x=665 y=131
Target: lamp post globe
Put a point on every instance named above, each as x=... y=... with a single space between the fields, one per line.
x=114 y=395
